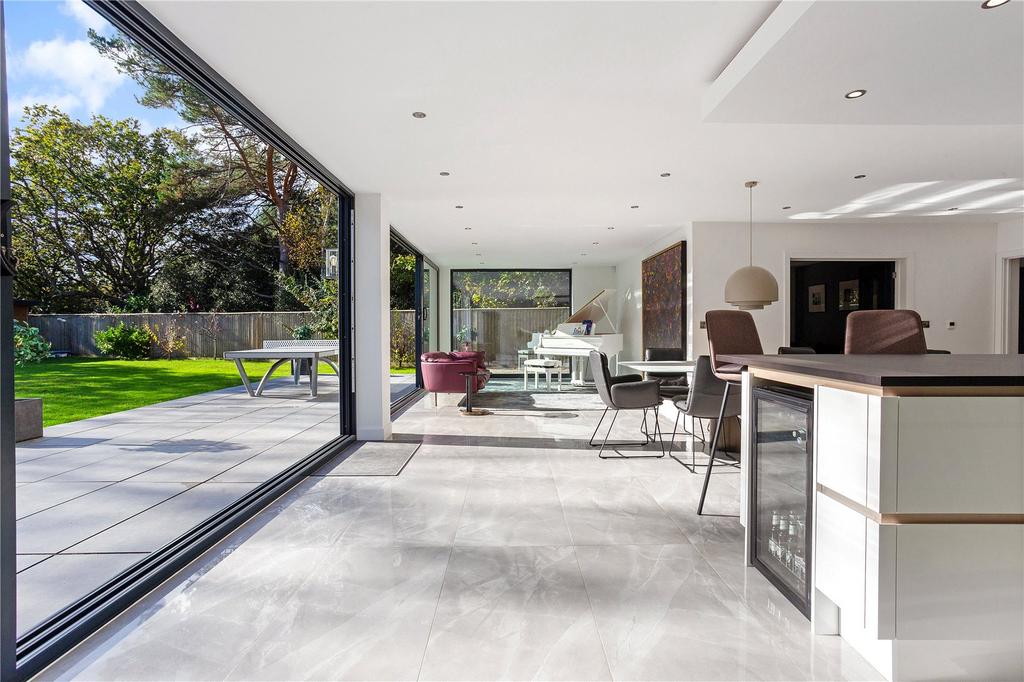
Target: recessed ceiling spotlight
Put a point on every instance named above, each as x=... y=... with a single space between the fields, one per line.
x=611 y=228
x=854 y=94
x=478 y=254
x=445 y=174
x=595 y=243
x=786 y=208
x=989 y=4
x=583 y=254
x=955 y=208
x=481 y=262
x=468 y=228
x=859 y=177
x=634 y=207
x=460 y=206
x=666 y=175
x=418 y=114
x=475 y=243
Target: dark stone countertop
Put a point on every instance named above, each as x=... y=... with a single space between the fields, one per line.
x=896 y=370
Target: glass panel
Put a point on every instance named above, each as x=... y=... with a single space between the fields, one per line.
x=497 y=311
x=429 y=340
x=781 y=471
x=403 y=321
x=154 y=238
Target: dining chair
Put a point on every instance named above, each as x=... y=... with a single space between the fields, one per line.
x=730 y=332
x=704 y=401
x=885 y=331
x=670 y=384
x=625 y=392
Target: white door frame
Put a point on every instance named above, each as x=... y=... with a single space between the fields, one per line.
x=904 y=276
x=1006 y=301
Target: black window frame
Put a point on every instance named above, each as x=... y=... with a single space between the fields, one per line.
x=421 y=260
x=23 y=657
x=455 y=271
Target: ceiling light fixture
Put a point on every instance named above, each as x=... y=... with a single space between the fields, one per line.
x=990 y=4
x=634 y=207
x=611 y=228
x=475 y=243
x=786 y=208
x=751 y=287
x=953 y=209
x=666 y=175
x=460 y=206
x=468 y=228
x=418 y=114
x=445 y=174
x=859 y=177
x=855 y=94
x=595 y=243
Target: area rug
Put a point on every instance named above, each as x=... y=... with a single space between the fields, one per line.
x=371 y=458
x=540 y=400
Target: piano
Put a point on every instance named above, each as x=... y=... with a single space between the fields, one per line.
x=569 y=339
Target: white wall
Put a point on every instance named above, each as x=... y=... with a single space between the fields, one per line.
x=373 y=321
x=948 y=274
x=628 y=293
x=587 y=282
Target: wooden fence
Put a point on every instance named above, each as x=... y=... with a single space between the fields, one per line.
x=502 y=332
x=206 y=335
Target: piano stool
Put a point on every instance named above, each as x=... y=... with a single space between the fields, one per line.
x=538 y=365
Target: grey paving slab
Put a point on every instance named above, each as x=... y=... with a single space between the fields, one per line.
x=58 y=528
x=35 y=497
x=25 y=561
x=53 y=584
x=158 y=525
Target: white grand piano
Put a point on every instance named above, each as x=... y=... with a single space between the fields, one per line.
x=569 y=340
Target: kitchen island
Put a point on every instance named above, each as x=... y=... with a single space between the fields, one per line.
x=914 y=518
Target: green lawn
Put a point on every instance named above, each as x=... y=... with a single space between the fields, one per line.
x=403 y=370
x=78 y=388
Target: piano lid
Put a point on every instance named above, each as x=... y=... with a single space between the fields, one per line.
x=595 y=309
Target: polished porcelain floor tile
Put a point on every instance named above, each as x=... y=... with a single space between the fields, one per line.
x=505 y=549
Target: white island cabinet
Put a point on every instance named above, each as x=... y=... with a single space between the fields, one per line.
x=918 y=507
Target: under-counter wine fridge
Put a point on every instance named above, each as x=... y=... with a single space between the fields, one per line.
x=781 y=490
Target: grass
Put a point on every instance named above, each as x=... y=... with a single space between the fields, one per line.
x=79 y=388
x=403 y=370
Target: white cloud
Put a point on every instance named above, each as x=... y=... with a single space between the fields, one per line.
x=87 y=74
x=64 y=101
x=85 y=15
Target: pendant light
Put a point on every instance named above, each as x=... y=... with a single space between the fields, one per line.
x=751 y=287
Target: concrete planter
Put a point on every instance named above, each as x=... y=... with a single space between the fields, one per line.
x=28 y=418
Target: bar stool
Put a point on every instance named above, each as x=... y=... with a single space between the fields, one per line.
x=730 y=332
x=885 y=331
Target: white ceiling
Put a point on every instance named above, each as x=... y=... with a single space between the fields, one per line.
x=554 y=118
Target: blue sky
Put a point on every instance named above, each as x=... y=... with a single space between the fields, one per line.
x=50 y=61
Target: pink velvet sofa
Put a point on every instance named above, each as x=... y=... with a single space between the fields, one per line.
x=442 y=371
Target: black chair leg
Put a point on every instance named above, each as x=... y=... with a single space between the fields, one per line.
x=636 y=444
x=714 y=448
x=594 y=435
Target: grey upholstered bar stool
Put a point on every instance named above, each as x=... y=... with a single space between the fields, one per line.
x=704 y=401
x=627 y=392
x=730 y=332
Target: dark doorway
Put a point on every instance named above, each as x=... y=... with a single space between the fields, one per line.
x=825 y=292
x=1020 y=309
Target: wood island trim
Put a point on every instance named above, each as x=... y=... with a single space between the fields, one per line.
x=919 y=518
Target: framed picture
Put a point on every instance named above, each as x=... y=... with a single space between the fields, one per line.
x=849 y=294
x=816 y=298
x=663 y=297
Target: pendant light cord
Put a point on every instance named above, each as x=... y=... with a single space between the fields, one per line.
x=750 y=241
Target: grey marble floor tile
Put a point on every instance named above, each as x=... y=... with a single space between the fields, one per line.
x=615 y=512
x=382 y=458
x=508 y=511
x=48 y=585
x=512 y=613
x=363 y=614
x=25 y=561
x=60 y=527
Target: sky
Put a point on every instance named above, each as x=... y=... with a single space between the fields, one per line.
x=50 y=61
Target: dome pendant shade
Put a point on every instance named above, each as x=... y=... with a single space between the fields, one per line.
x=751 y=288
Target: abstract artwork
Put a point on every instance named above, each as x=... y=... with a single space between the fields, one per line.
x=663 y=286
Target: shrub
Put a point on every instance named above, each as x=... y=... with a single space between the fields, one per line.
x=29 y=344
x=302 y=333
x=125 y=341
x=170 y=341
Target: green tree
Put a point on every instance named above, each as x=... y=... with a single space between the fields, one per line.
x=403 y=281
x=244 y=167
x=510 y=289
x=97 y=207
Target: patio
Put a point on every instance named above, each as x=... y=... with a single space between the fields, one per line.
x=95 y=496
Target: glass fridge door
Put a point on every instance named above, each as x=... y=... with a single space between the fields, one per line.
x=782 y=460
